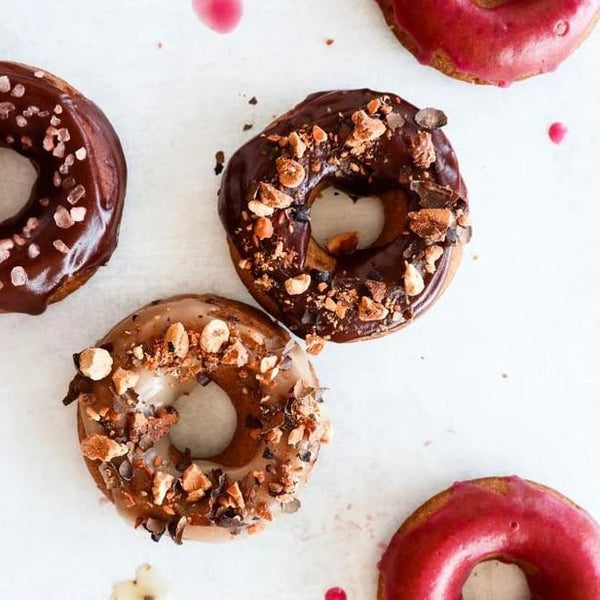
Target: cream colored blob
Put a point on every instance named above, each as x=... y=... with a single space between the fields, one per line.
x=147 y=584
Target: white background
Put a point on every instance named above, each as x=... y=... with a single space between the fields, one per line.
x=412 y=412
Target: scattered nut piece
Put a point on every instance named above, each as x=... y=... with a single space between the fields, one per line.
x=195 y=482
x=432 y=255
x=431 y=118
x=366 y=129
x=236 y=495
x=291 y=173
x=319 y=135
x=413 y=280
x=138 y=352
x=295 y=286
x=273 y=197
x=177 y=340
x=124 y=380
x=298 y=146
x=236 y=354
x=314 y=344
x=296 y=436
x=343 y=243
x=95 y=363
x=263 y=228
x=422 y=150
x=377 y=289
x=260 y=209
x=161 y=484
x=369 y=310
x=214 y=335
x=100 y=447
x=373 y=106
x=268 y=363
x=431 y=223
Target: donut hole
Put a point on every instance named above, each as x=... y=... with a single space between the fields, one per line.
x=495 y=580
x=207 y=421
x=333 y=212
x=18 y=176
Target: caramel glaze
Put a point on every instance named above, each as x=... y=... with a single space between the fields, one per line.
x=491 y=41
x=555 y=543
x=69 y=226
x=280 y=424
x=384 y=168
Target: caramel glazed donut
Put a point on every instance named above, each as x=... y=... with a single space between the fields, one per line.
x=554 y=542
x=364 y=143
x=125 y=390
x=491 y=41
x=70 y=225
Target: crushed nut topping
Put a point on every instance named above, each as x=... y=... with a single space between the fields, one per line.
x=343 y=243
x=431 y=224
x=369 y=310
x=161 y=485
x=432 y=255
x=263 y=228
x=413 y=280
x=214 y=335
x=295 y=286
x=177 y=340
x=124 y=380
x=95 y=363
x=100 y=447
x=298 y=146
x=291 y=173
x=422 y=150
x=271 y=196
x=236 y=354
x=366 y=129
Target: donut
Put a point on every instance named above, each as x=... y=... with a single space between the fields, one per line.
x=554 y=542
x=491 y=41
x=126 y=387
x=364 y=143
x=70 y=224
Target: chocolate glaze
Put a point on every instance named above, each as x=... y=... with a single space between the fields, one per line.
x=555 y=542
x=498 y=44
x=83 y=153
x=387 y=169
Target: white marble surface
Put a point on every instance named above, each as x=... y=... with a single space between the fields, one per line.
x=501 y=377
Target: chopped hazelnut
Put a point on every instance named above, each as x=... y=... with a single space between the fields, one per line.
x=124 y=380
x=100 y=447
x=268 y=363
x=274 y=198
x=214 y=335
x=295 y=286
x=366 y=129
x=95 y=363
x=298 y=146
x=377 y=289
x=413 y=280
x=236 y=495
x=330 y=305
x=343 y=243
x=263 y=228
x=369 y=310
x=431 y=223
x=177 y=340
x=291 y=173
x=296 y=436
x=161 y=484
x=422 y=150
x=260 y=209
x=319 y=135
x=432 y=255
x=194 y=480
x=340 y=310
x=373 y=106
x=314 y=344
x=138 y=352
x=236 y=354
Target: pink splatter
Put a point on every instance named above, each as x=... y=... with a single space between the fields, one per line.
x=222 y=16
x=335 y=594
x=103 y=501
x=557 y=132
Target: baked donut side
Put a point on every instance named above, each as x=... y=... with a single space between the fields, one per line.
x=69 y=227
x=364 y=143
x=554 y=542
x=491 y=41
x=126 y=388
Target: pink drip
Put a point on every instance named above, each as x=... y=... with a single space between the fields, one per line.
x=557 y=132
x=221 y=16
x=335 y=594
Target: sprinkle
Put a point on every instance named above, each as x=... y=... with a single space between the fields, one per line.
x=6 y=244
x=63 y=135
x=44 y=202
x=4 y=84
x=33 y=251
x=62 y=218
x=18 y=276
x=76 y=194
x=61 y=246
x=4 y=255
x=26 y=142
x=18 y=91
x=58 y=109
x=78 y=213
x=39 y=74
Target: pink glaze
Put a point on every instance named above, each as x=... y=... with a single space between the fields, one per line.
x=556 y=543
x=557 y=132
x=497 y=45
x=335 y=594
x=222 y=16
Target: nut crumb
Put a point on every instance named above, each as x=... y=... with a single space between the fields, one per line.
x=177 y=340
x=314 y=344
x=214 y=335
x=95 y=363
x=422 y=150
x=369 y=310
x=124 y=380
x=413 y=280
x=100 y=447
x=291 y=173
x=295 y=286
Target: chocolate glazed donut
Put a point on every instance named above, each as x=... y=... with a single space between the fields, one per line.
x=69 y=227
x=364 y=143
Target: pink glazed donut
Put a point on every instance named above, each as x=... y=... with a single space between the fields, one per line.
x=491 y=41
x=554 y=542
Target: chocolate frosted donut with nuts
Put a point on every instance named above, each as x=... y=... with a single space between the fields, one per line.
x=363 y=143
x=69 y=226
x=126 y=390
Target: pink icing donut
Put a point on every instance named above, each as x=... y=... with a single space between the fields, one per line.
x=555 y=543
x=491 y=41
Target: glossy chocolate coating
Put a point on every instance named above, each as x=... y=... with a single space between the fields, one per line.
x=499 y=43
x=389 y=169
x=556 y=543
x=81 y=168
